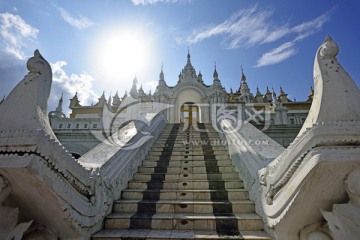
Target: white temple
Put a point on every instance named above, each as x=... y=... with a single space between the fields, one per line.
x=191 y=100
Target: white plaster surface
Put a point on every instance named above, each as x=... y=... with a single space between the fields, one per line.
x=308 y=176
x=336 y=94
x=58 y=195
x=344 y=219
x=26 y=105
x=290 y=192
x=250 y=151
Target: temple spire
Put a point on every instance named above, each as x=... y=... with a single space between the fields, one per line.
x=188 y=73
x=188 y=56
x=283 y=96
x=199 y=78
x=258 y=91
x=311 y=95
x=59 y=107
x=281 y=90
x=216 y=81
x=243 y=77
x=134 y=92
x=74 y=102
x=162 y=82
x=103 y=95
x=109 y=100
x=116 y=100
x=215 y=75
x=141 y=91
x=162 y=72
x=244 y=90
x=267 y=96
x=102 y=100
x=267 y=90
x=258 y=96
x=274 y=96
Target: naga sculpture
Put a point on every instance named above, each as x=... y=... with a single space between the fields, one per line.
x=308 y=176
x=57 y=195
x=300 y=191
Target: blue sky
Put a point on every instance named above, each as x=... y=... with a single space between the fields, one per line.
x=96 y=46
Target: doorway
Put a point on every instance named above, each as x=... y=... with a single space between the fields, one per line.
x=189 y=113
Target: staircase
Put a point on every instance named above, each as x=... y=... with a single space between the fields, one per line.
x=186 y=188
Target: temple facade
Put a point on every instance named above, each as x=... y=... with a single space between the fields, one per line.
x=190 y=101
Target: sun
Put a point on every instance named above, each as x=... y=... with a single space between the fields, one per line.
x=123 y=52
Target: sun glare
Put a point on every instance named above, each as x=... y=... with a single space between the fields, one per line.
x=123 y=53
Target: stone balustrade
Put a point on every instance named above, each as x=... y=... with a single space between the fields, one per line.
x=61 y=197
x=296 y=189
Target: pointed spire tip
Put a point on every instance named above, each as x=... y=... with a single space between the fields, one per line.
x=243 y=77
x=328 y=38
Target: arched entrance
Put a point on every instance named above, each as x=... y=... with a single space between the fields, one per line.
x=189 y=113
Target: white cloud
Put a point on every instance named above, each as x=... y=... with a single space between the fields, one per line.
x=145 y=2
x=287 y=49
x=252 y=26
x=277 y=55
x=15 y=34
x=69 y=85
x=246 y=27
x=79 y=22
x=313 y=25
x=15 y=52
x=276 y=35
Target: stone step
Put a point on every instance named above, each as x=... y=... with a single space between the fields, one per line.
x=181 y=170
x=191 y=130
x=180 y=206
x=164 y=138
x=185 y=185
x=185 y=135
x=187 y=162
x=186 y=188
x=183 y=221
x=180 y=147
x=117 y=234
x=182 y=130
x=191 y=139
x=188 y=194
x=194 y=131
x=199 y=138
x=185 y=176
x=192 y=152
x=187 y=157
